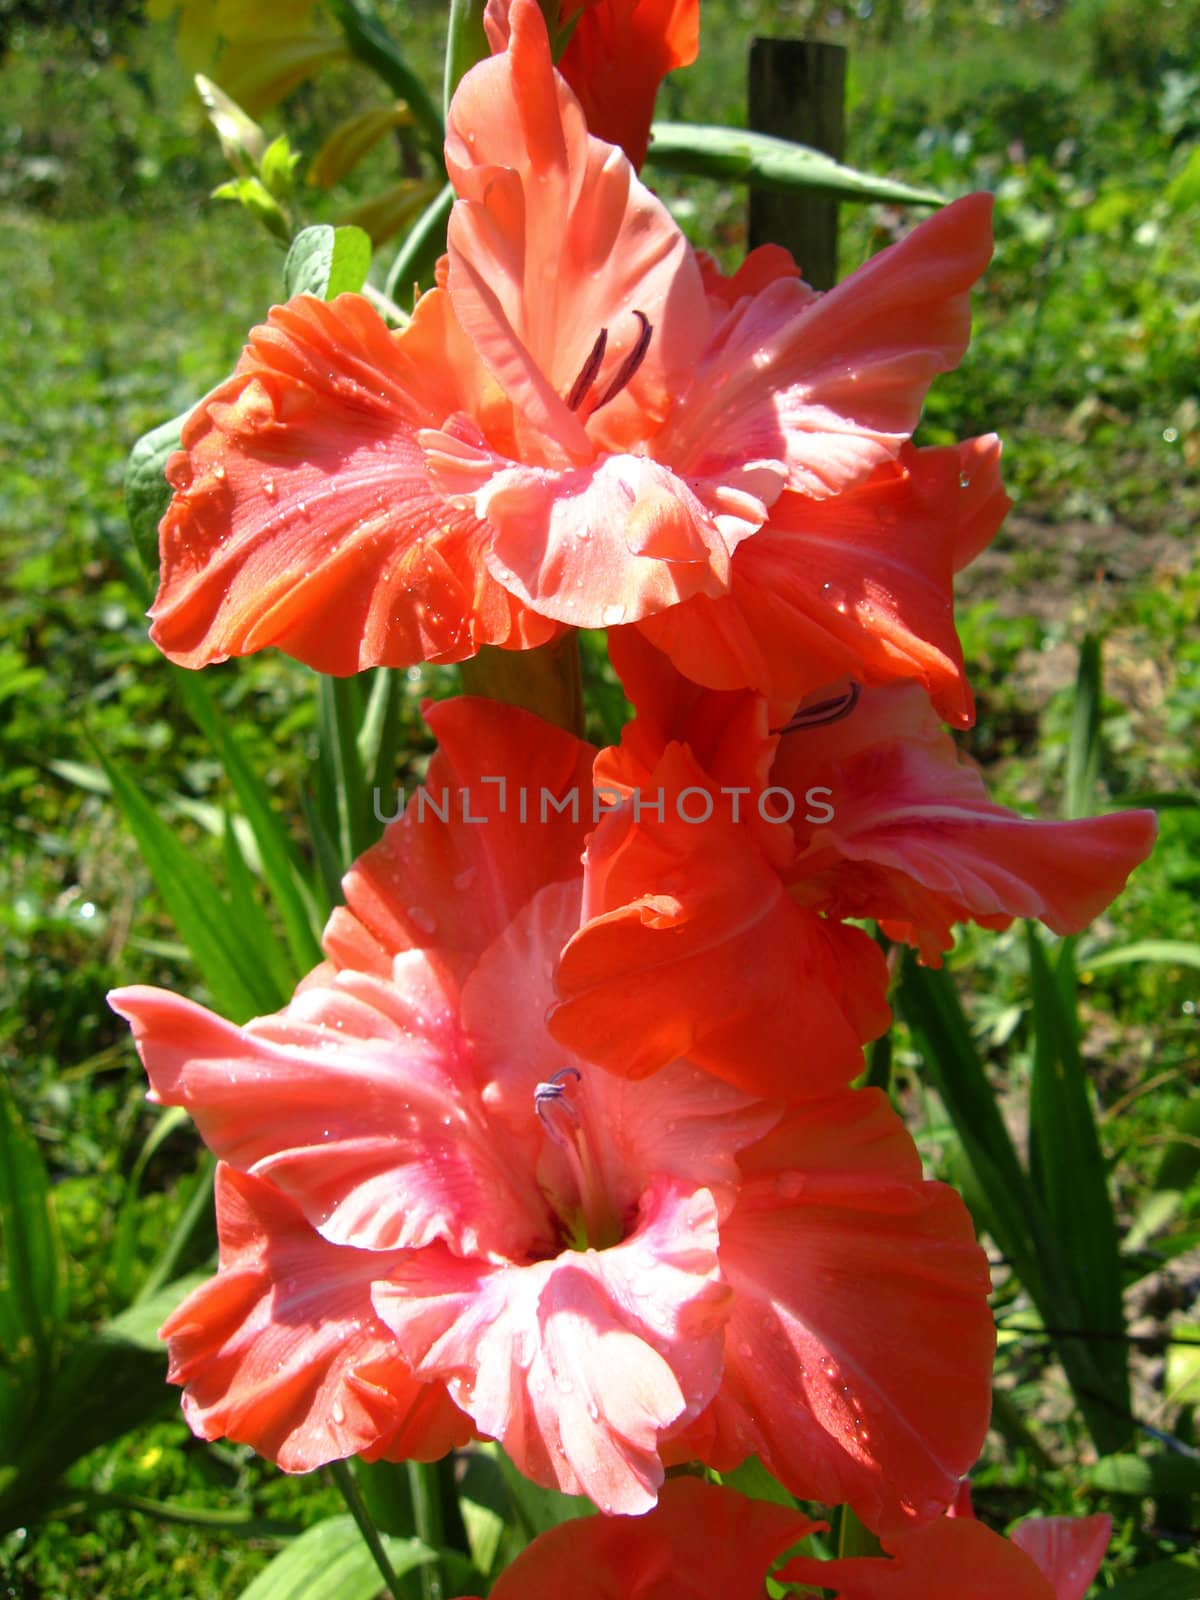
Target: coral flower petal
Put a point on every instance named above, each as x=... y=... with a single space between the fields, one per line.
x=860 y=1310
x=619 y=53
x=691 y=947
x=282 y=1350
x=831 y=385
x=301 y=497
x=553 y=246
x=504 y=811
x=350 y=1102
x=859 y=584
x=945 y=1561
x=577 y=1365
x=700 y=1542
x=1068 y=1550
x=916 y=843
x=554 y=238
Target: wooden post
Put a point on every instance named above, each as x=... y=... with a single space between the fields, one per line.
x=797 y=91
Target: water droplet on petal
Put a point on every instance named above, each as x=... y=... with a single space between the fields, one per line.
x=613 y=615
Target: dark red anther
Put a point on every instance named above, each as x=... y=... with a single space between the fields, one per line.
x=587 y=373
x=824 y=712
x=631 y=363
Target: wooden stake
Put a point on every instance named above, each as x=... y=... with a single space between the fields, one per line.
x=797 y=91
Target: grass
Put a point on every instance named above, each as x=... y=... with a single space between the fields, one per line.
x=128 y=295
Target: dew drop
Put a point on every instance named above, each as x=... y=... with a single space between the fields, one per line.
x=964 y=480
x=269 y=488
x=339 y=1414
x=420 y=918
x=613 y=615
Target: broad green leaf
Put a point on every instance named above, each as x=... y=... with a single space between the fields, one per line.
x=32 y=1283
x=1165 y=1580
x=766 y=162
x=1068 y=1170
x=754 y=1481
x=252 y=919
x=933 y=1012
x=124 y=1250
x=147 y=492
x=1146 y=1475
x=196 y=1218
x=327 y=261
x=494 y=1535
x=346 y=799
x=1014 y=1213
x=1171 y=952
x=538 y=1509
x=139 y=1324
x=330 y=1560
x=226 y=957
x=280 y=865
x=329 y=867
x=1083 y=751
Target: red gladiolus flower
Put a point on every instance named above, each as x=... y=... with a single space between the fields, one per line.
x=578 y=427
x=1052 y=1558
x=702 y=1542
x=699 y=1543
x=699 y=938
x=859 y=584
x=606 y=1275
x=618 y=53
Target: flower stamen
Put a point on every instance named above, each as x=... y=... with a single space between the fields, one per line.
x=824 y=713
x=552 y=1106
x=593 y=1225
x=588 y=372
x=625 y=372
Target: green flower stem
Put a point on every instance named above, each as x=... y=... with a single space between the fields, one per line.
x=369 y=40
x=243 y=1523
x=547 y=681
x=427 y=1521
x=466 y=43
x=423 y=244
x=357 y=1506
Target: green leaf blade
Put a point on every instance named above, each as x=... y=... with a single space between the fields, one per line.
x=228 y=961
x=326 y=261
x=331 y=1559
x=766 y=162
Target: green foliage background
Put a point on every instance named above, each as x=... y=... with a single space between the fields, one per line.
x=127 y=294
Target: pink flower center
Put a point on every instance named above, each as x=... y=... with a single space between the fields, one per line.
x=584 y=1209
